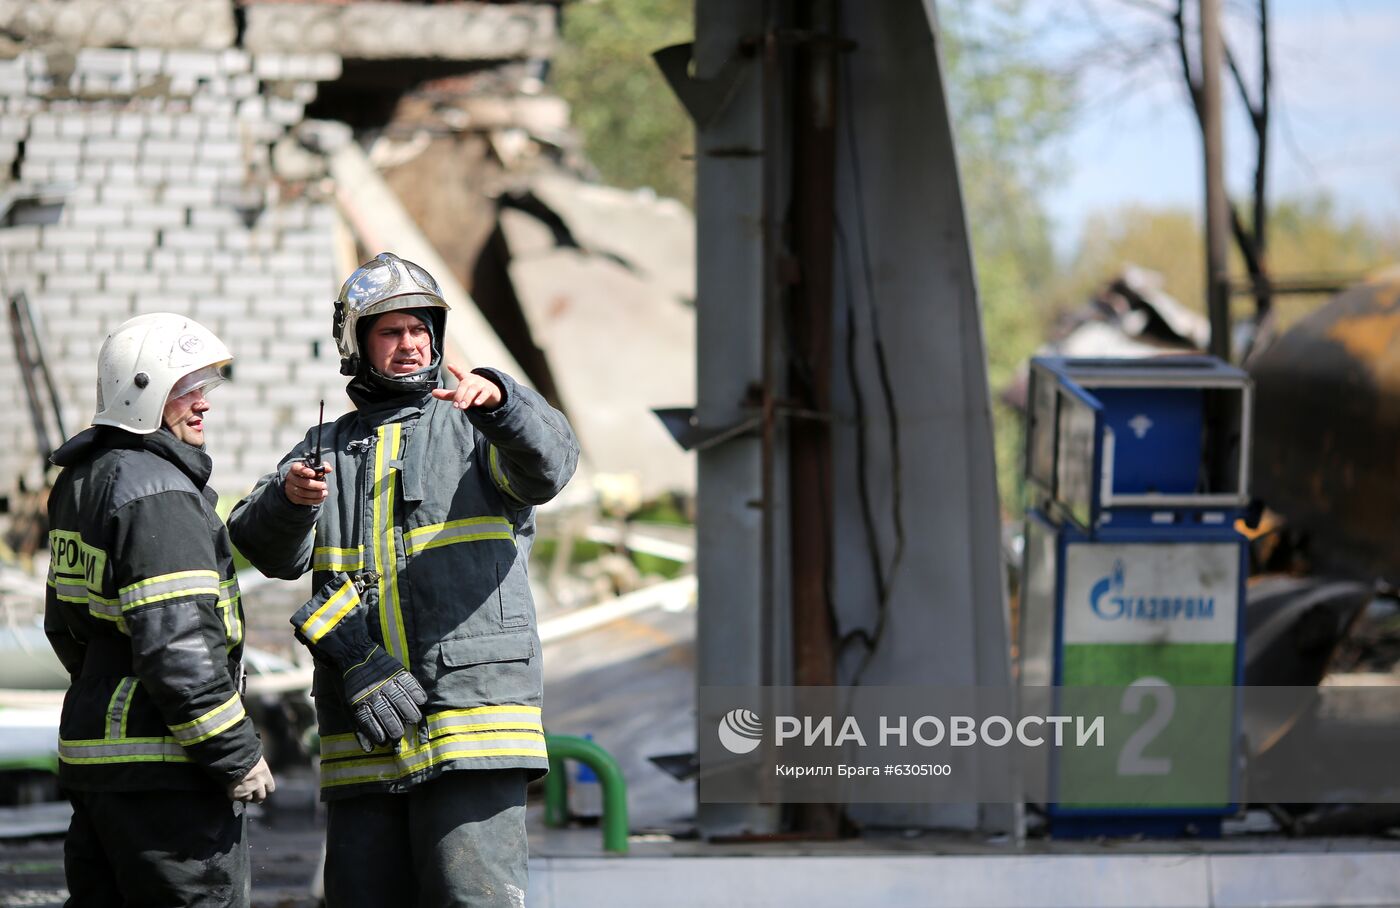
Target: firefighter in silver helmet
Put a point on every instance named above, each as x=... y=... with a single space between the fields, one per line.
x=417 y=529
x=155 y=749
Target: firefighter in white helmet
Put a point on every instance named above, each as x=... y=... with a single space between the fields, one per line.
x=155 y=749
x=417 y=532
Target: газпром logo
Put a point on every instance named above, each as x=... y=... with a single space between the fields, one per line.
x=1120 y=605
x=740 y=731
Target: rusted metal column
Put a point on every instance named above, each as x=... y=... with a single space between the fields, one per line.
x=809 y=321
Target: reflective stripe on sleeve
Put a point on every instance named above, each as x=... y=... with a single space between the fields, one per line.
x=219 y=719
x=170 y=586
x=499 y=476
x=330 y=558
x=229 y=597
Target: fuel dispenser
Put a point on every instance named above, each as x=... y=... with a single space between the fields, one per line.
x=1133 y=585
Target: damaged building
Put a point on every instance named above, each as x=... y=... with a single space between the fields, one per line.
x=234 y=161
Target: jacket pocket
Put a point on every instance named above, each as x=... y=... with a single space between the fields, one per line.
x=513 y=589
x=459 y=652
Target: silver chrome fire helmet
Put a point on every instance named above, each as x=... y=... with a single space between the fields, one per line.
x=147 y=361
x=384 y=284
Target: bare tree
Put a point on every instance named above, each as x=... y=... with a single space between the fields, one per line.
x=1129 y=54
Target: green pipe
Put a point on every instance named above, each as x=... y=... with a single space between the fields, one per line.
x=556 y=787
x=556 y=791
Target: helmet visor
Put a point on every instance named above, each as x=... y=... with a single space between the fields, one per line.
x=368 y=286
x=375 y=283
x=205 y=379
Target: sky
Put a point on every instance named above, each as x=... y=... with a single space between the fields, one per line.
x=1336 y=116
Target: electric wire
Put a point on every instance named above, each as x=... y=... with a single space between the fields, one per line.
x=884 y=578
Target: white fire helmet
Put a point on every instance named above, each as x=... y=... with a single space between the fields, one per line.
x=150 y=359
x=383 y=284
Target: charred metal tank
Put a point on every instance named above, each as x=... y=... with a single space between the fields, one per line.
x=1327 y=429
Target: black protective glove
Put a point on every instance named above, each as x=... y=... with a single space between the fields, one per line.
x=383 y=698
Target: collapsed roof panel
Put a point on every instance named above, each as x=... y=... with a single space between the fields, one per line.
x=654 y=236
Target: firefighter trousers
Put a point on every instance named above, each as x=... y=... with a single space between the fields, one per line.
x=457 y=841
x=134 y=849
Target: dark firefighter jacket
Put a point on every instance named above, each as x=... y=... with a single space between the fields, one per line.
x=143 y=611
x=434 y=507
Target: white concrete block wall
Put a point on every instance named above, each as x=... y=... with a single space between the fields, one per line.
x=168 y=206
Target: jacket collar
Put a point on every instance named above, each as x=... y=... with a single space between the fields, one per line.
x=378 y=409
x=193 y=462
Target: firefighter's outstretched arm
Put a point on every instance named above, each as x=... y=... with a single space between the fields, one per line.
x=531 y=452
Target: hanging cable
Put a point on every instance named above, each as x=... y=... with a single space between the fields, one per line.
x=883 y=575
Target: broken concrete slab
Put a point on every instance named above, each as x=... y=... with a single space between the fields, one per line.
x=617 y=346
x=655 y=236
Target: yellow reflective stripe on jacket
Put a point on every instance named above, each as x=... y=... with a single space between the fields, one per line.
x=219 y=719
x=122 y=750
x=229 y=597
x=119 y=707
x=469 y=529
x=384 y=767
x=76 y=593
x=106 y=609
x=330 y=613
x=70 y=589
x=499 y=475
x=331 y=558
x=385 y=555
x=169 y=586
x=519 y=721
x=335 y=747
x=484 y=718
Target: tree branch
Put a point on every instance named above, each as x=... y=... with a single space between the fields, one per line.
x=1193 y=85
x=1261 y=126
x=1239 y=83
